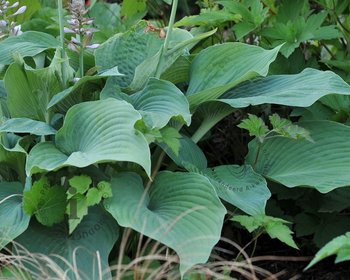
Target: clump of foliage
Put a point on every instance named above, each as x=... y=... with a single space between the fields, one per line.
x=100 y=131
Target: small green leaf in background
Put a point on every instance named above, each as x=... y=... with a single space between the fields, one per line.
x=287 y=129
x=81 y=196
x=46 y=202
x=131 y=8
x=274 y=227
x=252 y=13
x=299 y=30
x=80 y=184
x=256 y=127
x=208 y=18
x=339 y=246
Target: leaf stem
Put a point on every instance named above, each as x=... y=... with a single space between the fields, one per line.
x=81 y=57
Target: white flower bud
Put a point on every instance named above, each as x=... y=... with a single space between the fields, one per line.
x=68 y=30
x=14 y=5
x=3 y=23
x=93 y=46
x=21 y=10
x=16 y=31
x=75 y=40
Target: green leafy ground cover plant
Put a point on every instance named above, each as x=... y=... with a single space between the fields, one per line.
x=101 y=127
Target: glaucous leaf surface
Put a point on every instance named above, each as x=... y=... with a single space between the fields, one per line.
x=219 y=68
x=30 y=90
x=96 y=131
x=189 y=155
x=13 y=219
x=321 y=164
x=87 y=247
x=181 y=210
x=301 y=89
x=25 y=125
x=240 y=186
x=158 y=102
x=30 y=43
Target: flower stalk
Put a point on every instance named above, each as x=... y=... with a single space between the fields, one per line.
x=63 y=51
x=167 y=39
x=80 y=25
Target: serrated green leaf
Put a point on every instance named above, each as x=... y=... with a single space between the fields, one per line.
x=105 y=189
x=256 y=126
x=274 y=227
x=76 y=209
x=93 y=197
x=287 y=129
x=208 y=18
x=79 y=185
x=46 y=202
x=339 y=246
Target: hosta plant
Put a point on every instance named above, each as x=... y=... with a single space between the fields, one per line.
x=90 y=151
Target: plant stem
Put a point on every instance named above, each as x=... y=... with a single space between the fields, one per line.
x=81 y=58
x=167 y=39
x=63 y=52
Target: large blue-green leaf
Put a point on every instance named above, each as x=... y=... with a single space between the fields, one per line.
x=189 y=156
x=25 y=125
x=96 y=131
x=12 y=154
x=87 y=84
x=138 y=52
x=87 y=247
x=301 y=89
x=322 y=164
x=30 y=90
x=181 y=210
x=29 y=43
x=240 y=186
x=13 y=219
x=158 y=102
x=219 y=68
x=128 y=50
